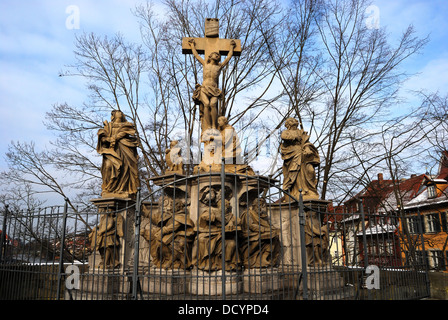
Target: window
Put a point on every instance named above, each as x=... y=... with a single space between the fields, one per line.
x=418 y=260
x=433 y=223
x=421 y=258
x=444 y=216
x=432 y=192
x=436 y=259
x=446 y=256
x=414 y=224
x=389 y=247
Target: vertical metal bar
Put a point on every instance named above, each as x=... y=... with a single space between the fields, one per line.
x=223 y=227
x=364 y=236
x=237 y=217
x=425 y=259
x=303 y=247
x=3 y=238
x=136 y=245
x=364 y=239
x=61 y=253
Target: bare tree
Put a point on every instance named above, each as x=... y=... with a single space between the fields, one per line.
x=361 y=78
x=434 y=111
x=314 y=60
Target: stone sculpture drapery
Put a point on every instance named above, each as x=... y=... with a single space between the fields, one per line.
x=300 y=157
x=117 y=143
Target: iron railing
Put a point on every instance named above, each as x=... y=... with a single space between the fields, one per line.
x=173 y=245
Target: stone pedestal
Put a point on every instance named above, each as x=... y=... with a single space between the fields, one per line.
x=165 y=282
x=210 y=283
x=261 y=280
x=325 y=284
x=285 y=217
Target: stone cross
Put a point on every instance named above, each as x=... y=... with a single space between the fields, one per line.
x=211 y=42
x=207 y=94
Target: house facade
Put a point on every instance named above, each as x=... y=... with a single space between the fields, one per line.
x=427 y=215
x=393 y=222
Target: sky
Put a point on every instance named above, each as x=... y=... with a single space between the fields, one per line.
x=37 y=42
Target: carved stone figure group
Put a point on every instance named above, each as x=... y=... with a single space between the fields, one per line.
x=178 y=243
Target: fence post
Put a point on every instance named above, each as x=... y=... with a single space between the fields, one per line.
x=364 y=240
x=223 y=225
x=425 y=257
x=61 y=251
x=3 y=244
x=303 y=248
x=136 y=245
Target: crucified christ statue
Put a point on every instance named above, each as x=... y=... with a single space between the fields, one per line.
x=208 y=93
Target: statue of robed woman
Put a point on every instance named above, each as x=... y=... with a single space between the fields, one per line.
x=117 y=143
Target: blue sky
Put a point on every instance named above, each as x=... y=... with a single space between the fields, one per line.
x=36 y=43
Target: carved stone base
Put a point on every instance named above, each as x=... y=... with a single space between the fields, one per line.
x=290 y=277
x=325 y=284
x=210 y=283
x=261 y=280
x=166 y=282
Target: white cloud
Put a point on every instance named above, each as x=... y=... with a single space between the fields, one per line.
x=432 y=77
x=35 y=45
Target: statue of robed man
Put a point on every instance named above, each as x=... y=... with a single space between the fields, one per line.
x=300 y=157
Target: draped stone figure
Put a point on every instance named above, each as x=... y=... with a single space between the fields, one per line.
x=300 y=157
x=105 y=237
x=144 y=247
x=231 y=148
x=207 y=251
x=171 y=235
x=117 y=143
x=260 y=244
x=316 y=238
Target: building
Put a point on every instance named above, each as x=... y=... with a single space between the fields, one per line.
x=392 y=221
x=371 y=232
x=426 y=215
x=388 y=215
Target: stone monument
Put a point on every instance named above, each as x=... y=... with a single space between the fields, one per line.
x=300 y=158
x=219 y=138
x=211 y=232
x=207 y=94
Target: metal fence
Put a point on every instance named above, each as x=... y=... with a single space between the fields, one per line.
x=209 y=236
